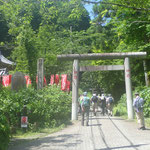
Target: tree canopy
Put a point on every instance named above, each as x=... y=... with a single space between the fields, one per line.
x=46 y=28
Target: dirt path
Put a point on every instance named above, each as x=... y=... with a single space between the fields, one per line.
x=103 y=133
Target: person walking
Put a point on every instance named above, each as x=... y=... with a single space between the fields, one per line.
x=138 y=103
x=103 y=104
x=109 y=104
x=99 y=103
x=79 y=103
x=85 y=108
x=94 y=100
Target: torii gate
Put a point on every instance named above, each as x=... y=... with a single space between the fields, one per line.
x=102 y=56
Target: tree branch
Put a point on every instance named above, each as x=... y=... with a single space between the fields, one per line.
x=121 y=5
x=140 y=22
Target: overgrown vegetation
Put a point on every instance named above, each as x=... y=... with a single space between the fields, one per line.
x=121 y=108
x=49 y=107
x=45 y=28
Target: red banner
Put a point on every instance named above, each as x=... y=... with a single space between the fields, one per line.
x=52 y=79
x=57 y=79
x=68 y=86
x=45 y=83
x=6 y=80
x=64 y=82
x=28 y=80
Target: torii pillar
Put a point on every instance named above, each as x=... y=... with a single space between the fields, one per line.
x=128 y=88
x=98 y=56
x=75 y=84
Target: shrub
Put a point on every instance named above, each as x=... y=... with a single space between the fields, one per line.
x=51 y=107
x=48 y=107
x=121 y=108
x=4 y=133
x=145 y=94
x=4 y=126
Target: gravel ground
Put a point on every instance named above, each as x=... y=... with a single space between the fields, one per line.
x=103 y=133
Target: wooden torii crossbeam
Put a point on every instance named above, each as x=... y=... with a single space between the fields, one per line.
x=101 y=56
x=96 y=56
x=101 y=68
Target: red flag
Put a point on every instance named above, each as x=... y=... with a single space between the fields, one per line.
x=26 y=77
x=6 y=80
x=68 y=86
x=28 y=80
x=63 y=82
x=45 y=83
x=36 y=79
x=56 y=79
x=52 y=79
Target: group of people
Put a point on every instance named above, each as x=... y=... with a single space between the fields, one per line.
x=105 y=103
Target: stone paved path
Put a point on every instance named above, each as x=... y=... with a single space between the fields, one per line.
x=103 y=133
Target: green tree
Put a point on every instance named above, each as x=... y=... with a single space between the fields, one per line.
x=42 y=29
x=120 y=26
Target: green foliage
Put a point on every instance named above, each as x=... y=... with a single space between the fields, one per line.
x=42 y=29
x=4 y=132
x=49 y=107
x=4 y=125
x=121 y=108
x=119 y=26
x=145 y=94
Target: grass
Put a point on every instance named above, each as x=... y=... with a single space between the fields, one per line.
x=21 y=134
x=147 y=122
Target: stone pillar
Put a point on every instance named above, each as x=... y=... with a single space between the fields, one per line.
x=128 y=88
x=40 y=73
x=18 y=81
x=75 y=82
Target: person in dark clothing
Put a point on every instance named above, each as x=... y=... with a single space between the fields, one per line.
x=94 y=100
x=103 y=104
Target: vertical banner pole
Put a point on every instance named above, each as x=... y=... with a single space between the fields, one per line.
x=128 y=88
x=75 y=82
x=40 y=73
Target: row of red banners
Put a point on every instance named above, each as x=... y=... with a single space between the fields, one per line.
x=65 y=84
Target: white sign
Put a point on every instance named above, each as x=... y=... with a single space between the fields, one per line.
x=24 y=122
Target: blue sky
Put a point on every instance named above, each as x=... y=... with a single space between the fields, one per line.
x=89 y=9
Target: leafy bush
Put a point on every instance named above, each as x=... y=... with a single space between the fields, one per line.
x=49 y=107
x=4 y=132
x=121 y=108
x=4 y=126
x=145 y=94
